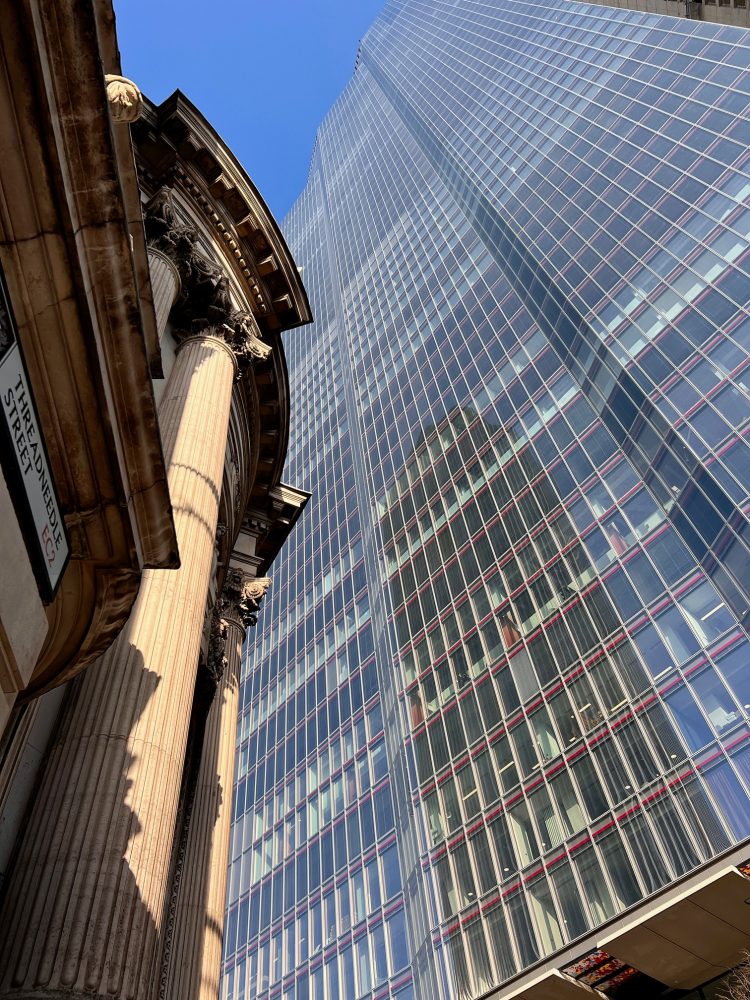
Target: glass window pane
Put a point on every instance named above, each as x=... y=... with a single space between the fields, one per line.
x=486 y=777
x=523 y=929
x=399 y=950
x=662 y=736
x=734 y=668
x=445 y=887
x=459 y=967
x=544 y=734
x=391 y=871
x=547 y=822
x=652 y=867
x=524 y=748
x=671 y=827
x=434 y=818
x=545 y=915
x=483 y=861
x=362 y=950
x=452 y=810
x=678 y=637
x=565 y=717
x=637 y=753
x=464 y=876
x=718 y=704
x=469 y=793
x=575 y=919
x=480 y=960
x=585 y=702
x=590 y=787
x=567 y=803
x=380 y=960
x=504 y=850
x=523 y=834
x=506 y=767
x=628 y=668
x=608 y=685
x=706 y=612
x=616 y=778
x=359 y=909
x=731 y=797
x=620 y=869
x=653 y=651
x=347 y=972
x=702 y=818
x=502 y=946
x=688 y=717
x=594 y=885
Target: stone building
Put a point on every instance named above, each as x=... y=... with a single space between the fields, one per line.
x=144 y=289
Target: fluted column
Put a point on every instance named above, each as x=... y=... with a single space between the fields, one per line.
x=192 y=963
x=84 y=905
x=165 y=286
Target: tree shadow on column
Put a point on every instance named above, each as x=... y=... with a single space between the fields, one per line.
x=182 y=964
x=72 y=916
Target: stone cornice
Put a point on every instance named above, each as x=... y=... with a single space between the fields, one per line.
x=177 y=146
x=270 y=521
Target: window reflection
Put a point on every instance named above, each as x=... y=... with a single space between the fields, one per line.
x=688 y=717
x=722 y=712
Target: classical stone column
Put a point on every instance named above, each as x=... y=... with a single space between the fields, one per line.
x=83 y=909
x=192 y=959
x=165 y=286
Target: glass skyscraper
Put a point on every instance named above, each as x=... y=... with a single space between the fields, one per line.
x=494 y=728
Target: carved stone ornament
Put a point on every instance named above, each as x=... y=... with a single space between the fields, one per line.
x=257 y=588
x=234 y=484
x=204 y=299
x=240 y=599
x=204 y=303
x=216 y=660
x=221 y=530
x=243 y=336
x=125 y=99
x=163 y=231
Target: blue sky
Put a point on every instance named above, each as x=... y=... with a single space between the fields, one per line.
x=263 y=72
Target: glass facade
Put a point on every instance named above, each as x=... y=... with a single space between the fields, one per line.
x=500 y=691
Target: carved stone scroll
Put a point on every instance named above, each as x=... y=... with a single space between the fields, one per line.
x=241 y=597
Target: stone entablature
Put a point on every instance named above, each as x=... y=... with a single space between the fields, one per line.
x=75 y=268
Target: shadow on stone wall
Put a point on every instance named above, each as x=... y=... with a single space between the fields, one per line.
x=72 y=916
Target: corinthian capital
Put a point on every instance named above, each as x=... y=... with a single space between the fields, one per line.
x=204 y=299
x=243 y=336
x=163 y=229
x=241 y=597
x=204 y=303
